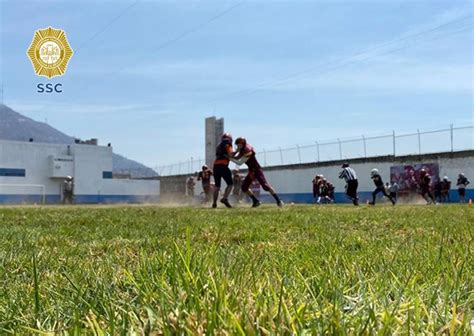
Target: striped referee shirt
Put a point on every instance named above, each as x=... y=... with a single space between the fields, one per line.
x=348 y=174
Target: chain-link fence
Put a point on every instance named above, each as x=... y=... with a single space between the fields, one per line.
x=183 y=167
x=134 y=173
x=397 y=144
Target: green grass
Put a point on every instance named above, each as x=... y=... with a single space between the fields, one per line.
x=299 y=270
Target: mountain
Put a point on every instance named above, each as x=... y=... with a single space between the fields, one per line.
x=15 y=126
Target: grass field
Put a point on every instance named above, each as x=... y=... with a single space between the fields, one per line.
x=303 y=270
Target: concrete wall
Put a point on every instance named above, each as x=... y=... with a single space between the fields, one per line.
x=173 y=188
x=293 y=182
x=89 y=163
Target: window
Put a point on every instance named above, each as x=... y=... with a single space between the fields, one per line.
x=12 y=172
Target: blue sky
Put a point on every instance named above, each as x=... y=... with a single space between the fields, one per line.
x=145 y=74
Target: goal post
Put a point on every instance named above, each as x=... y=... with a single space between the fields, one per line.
x=26 y=190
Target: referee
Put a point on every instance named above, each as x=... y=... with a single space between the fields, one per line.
x=349 y=175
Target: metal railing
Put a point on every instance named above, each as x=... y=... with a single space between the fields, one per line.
x=397 y=144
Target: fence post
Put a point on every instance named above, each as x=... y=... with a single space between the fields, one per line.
x=299 y=152
x=340 y=148
x=394 y=144
x=419 y=141
x=365 y=146
x=451 y=131
x=281 y=155
x=317 y=149
x=264 y=158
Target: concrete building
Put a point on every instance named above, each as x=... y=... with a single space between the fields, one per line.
x=214 y=131
x=34 y=172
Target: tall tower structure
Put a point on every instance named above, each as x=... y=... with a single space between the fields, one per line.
x=214 y=130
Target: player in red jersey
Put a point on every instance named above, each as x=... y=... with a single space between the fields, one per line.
x=316 y=188
x=205 y=176
x=246 y=154
x=330 y=187
x=221 y=169
x=425 y=186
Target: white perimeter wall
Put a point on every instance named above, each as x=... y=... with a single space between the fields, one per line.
x=123 y=187
x=298 y=180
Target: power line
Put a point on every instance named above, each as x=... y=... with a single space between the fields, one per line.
x=107 y=25
x=342 y=62
x=96 y=34
x=184 y=34
x=321 y=68
x=337 y=62
x=169 y=42
x=338 y=66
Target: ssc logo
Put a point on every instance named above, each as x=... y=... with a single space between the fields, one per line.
x=49 y=88
x=49 y=52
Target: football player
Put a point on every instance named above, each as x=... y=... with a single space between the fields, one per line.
x=246 y=154
x=190 y=185
x=324 y=190
x=205 y=177
x=425 y=186
x=462 y=183
x=221 y=170
x=331 y=189
x=393 y=190
x=445 y=187
x=379 y=186
x=316 y=188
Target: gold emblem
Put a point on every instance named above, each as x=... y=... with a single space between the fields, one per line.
x=50 y=52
